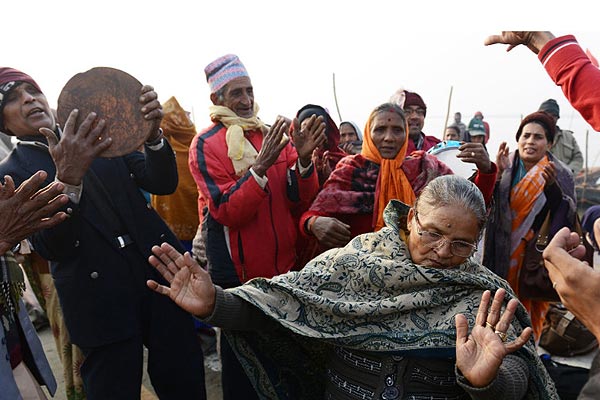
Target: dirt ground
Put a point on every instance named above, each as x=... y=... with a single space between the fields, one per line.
x=212 y=369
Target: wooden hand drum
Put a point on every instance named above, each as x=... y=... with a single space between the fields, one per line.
x=114 y=96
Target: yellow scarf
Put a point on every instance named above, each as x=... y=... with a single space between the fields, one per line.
x=239 y=149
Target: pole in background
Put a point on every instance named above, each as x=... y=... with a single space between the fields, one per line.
x=337 y=107
x=447 y=113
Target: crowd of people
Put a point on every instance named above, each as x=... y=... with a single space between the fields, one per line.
x=338 y=263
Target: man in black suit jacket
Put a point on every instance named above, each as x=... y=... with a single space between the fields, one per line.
x=99 y=254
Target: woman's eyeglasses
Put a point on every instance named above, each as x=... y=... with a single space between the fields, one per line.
x=434 y=240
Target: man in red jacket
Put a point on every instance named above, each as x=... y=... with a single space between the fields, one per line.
x=575 y=71
x=256 y=184
x=415 y=110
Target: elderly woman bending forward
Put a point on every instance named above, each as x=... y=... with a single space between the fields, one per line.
x=385 y=317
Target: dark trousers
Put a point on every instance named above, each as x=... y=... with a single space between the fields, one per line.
x=175 y=361
x=234 y=381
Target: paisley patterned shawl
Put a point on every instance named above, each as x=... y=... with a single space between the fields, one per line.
x=367 y=296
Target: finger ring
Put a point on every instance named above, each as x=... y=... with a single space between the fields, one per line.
x=554 y=285
x=501 y=335
x=492 y=327
x=472 y=154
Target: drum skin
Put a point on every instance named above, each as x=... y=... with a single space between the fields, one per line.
x=446 y=152
x=114 y=96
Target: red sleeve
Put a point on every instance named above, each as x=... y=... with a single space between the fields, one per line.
x=571 y=69
x=304 y=218
x=486 y=183
x=231 y=202
x=308 y=186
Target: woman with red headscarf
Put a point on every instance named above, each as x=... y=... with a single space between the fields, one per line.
x=353 y=198
x=327 y=156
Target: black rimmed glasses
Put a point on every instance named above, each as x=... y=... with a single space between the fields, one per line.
x=419 y=111
x=434 y=240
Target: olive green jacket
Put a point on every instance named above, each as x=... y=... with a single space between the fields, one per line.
x=566 y=149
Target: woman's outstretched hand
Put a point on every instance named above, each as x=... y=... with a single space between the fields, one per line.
x=191 y=287
x=480 y=354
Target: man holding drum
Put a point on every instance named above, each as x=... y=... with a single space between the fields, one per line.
x=98 y=254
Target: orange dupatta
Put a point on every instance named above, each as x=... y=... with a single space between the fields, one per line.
x=523 y=196
x=391 y=182
x=180 y=209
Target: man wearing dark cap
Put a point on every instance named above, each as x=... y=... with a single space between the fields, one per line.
x=478 y=117
x=565 y=147
x=255 y=183
x=477 y=132
x=99 y=254
x=415 y=110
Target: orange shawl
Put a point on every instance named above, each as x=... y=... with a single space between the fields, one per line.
x=180 y=209
x=523 y=196
x=392 y=182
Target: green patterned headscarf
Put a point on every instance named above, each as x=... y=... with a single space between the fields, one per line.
x=367 y=296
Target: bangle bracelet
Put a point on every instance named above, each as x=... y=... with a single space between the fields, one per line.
x=311 y=222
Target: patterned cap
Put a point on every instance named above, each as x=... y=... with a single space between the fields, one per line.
x=223 y=70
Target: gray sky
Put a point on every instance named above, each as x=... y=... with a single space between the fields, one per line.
x=292 y=48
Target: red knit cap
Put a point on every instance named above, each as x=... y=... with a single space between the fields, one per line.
x=413 y=99
x=541 y=118
x=10 y=78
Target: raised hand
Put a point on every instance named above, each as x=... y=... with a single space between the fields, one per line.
x=350 y=148
x=151 y=109
x=274 y=142
x=534 y=40
x=308 y=138
x=78 y=147
x=330 y=232
x=321 y=163
x=549 y=174
x=480 y=354
x=191 y=287
x=27 y=210
x=502 y=160
x=476 y=154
